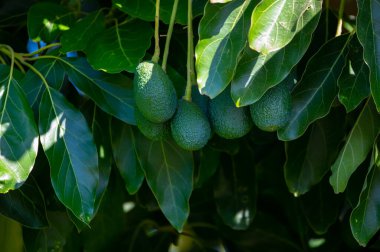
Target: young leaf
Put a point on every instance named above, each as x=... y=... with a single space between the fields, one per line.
x=275 y=23
x=251 y=79
x=71 y=152
x=222 y=36
x=353 y=82
x=358 y=145
x=18 y=133
x=120 y=48
x=46 y=21
x=310 y=156
x=169 y=173
x=112 y=93
x=80 y=34
x=364 y=220
x=368 y=29
x=127 y=158
x=314 y=94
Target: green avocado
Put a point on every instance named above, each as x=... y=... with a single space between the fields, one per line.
x=272 y=111
x=151 y=130
x=190 y=127
x=154 y=92
x=227 y=120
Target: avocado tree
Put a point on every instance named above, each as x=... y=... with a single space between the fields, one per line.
x=199 y=125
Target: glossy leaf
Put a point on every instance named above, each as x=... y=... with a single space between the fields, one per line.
x=353 y=82
x=364 y=220
x=275 y=23
x=315 y=93
x=18 y=133
x=120 y=48
x=256 y=72
x=25 y=205
x=222 y=36
x=368 y=30
x=358 y=144
x=310 y=157
x=127 y=158
x=71 y=152
x=169 y=173
x=112 y=93
x=46 y=21
x=81 y=33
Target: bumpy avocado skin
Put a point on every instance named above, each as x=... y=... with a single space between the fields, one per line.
x=190 y=127
x=154 y=92
x=272 y=111
x=227 y=120
x=151 y=130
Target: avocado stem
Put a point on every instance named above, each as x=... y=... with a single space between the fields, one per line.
x=340 y=18
x=169 y=35
x=190 y=51
x=156 y=55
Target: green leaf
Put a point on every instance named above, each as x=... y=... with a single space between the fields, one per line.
x=169 y=173
x=368 y=30
x=309 y=158
x=11 y=235
x=120 y=47
x=112 y=93
x=81 y=33
x=71 y=152
x=358 y=144
x=252 y=80
x=315 y=93
x=46 y=21
x=222 y=36
x=145 y=10
x=25 y=205
x=127 y=158
x=18 y=133
x=275 y=23
x=235 y=190
x=354 y=82
x=364 y=220
x=209 y=163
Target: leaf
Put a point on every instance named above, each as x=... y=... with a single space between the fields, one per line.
x=219 y=1
x=222 y=36
x=358 y=145
x=112 y=93
x=353 y=82
x=80 y=34
x=26 y=205
x=120 y=48
x=169 y=173
x=275 y=23
x=18 y=133
x=146 y=10
x=127 y=158
x=71 y=152
x=368 y=30
x=11 y=235
x=46 y=21
x=235 y=191
x=309 y=158
x=314 y=94
x=364 y=220
x=256 y=72
x=209 y=163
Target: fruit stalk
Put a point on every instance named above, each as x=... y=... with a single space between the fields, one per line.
x=156 y=55
x=169 y=35
x=340 y=18
x=190 y=51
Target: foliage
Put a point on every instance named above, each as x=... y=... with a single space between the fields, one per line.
x=76 y=173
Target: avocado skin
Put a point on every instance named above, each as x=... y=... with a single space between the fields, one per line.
x=190 y=128
x=154 y=92
x=227 y=120
x=272 y=111
x=151 y=130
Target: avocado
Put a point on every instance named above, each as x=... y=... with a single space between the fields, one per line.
x=154 y=92
x=151 y=130
x=272 y=111
x=227 y=120
x=190 y=127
